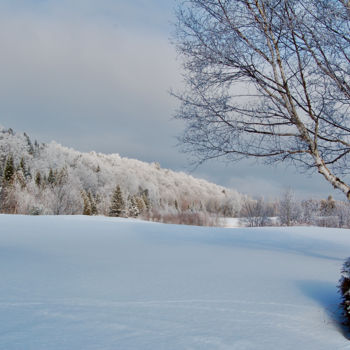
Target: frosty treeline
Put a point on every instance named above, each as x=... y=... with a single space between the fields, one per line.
x=52 y=179
x=287 y=210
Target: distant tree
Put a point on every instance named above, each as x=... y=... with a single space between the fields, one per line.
x=144 y=195
x=20 y=179
x=30 y=147
x=7 y=195
x=86 y=203
x=133 y=209
x=343 y=214
x=146 y=199
x=255 y=212
x=51 y=178
x=310 y=211
x=9 y=170
x=289 y=211
x=64 y=199
x=117 y=207
x=24 y=169
x=38 y=180
x=92 y=201
x=141 y=206
x=328 y=207
x=36 y=147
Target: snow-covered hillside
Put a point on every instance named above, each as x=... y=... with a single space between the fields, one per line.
x=74 y=282
x=97 y=175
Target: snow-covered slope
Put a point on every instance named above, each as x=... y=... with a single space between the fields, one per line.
x=99 y=174
x=102 y=283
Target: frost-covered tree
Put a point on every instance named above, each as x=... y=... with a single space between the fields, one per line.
x=24 y=169
x=63 y=193
x=86 y=204
x=9 y=170
x=328 y=207
x=255 y=212
x=145 y=197
x=309 y=211
x=289 y=210
x=141 y=206
x=268 y=79
x=133 y=209
x=51 y=178
x=117 y=207
x=29 y=144
x=92 y=201
x=38 y=180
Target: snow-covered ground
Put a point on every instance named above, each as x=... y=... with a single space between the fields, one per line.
x=100 y=283
x=231 y=222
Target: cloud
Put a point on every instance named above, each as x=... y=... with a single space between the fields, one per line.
x=76 y=79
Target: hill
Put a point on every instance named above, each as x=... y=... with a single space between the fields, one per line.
x=53 y=179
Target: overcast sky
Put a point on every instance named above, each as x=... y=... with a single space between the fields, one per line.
x=95 y=75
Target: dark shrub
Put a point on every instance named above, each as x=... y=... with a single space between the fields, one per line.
x=344 y=288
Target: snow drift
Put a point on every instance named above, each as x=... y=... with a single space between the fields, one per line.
x=105 y=283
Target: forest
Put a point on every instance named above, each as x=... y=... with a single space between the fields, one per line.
x=50 y=179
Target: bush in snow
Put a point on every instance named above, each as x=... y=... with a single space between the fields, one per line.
x=344 y=289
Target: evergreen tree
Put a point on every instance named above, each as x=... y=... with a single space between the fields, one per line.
x=141 y=206
x=117 y=207
x=38 y=178
x=146 y=200
x=7 y=200
x=9 y=170
x=86 y=204
x=92 y=203
x=61 y=177
x=29 y=143
x=133 y=209
x=24 y=169
x=51 y=179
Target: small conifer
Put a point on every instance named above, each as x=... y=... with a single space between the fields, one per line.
x=92 y=203
x=9 y=170
x=38 y=178
x=24 y=169
x=51 y=179
x=86 y=204
x=133 y=209
x=117 y=207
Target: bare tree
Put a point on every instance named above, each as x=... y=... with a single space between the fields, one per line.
x=289 y=210
x=256 y=213
x=268 y=79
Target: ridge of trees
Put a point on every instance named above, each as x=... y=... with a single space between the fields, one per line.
x=52 y=179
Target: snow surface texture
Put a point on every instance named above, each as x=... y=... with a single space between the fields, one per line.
x=106 y=283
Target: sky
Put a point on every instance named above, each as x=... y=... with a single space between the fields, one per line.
x=96 y=75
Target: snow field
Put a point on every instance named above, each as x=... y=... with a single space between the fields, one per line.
x=73 y=282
